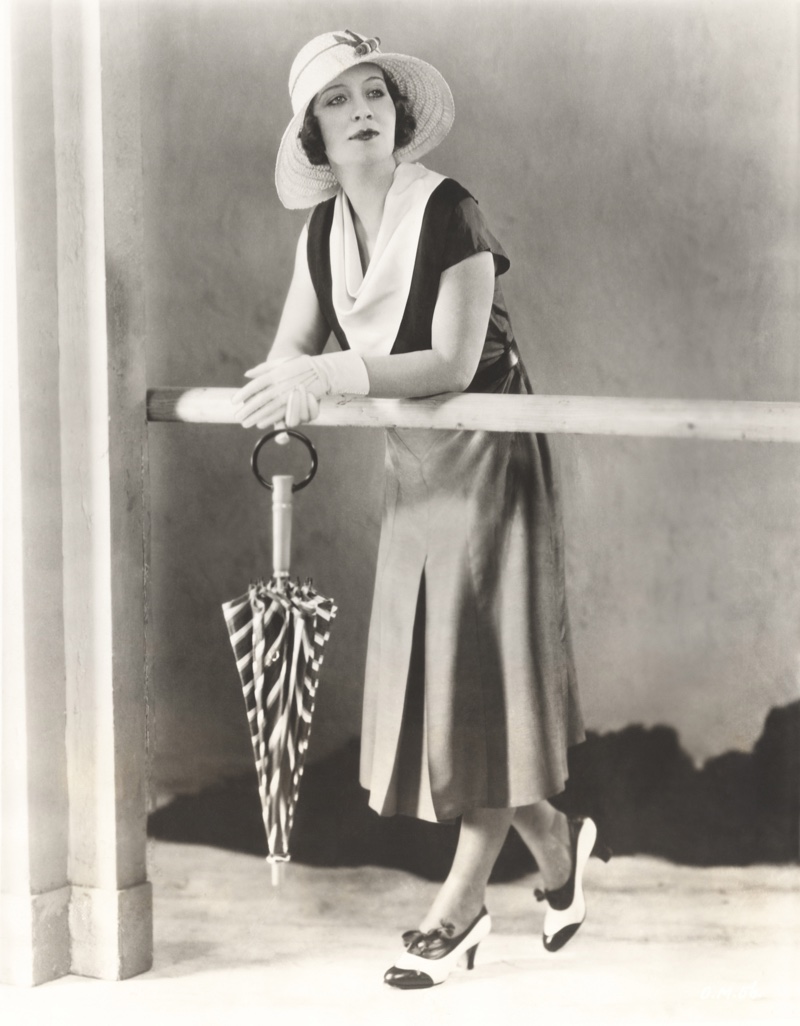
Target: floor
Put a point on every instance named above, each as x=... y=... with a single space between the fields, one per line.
x=662 y=944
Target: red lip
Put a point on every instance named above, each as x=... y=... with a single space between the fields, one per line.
x=365 y=133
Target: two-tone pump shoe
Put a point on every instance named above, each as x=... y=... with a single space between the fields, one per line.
x=430 y=957
x=566 y=904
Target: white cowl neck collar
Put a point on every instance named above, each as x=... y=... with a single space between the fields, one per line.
x=370 y=306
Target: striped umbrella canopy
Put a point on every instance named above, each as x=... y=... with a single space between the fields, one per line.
x=278 y=631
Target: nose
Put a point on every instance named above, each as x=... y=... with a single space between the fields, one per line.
x=362 y=111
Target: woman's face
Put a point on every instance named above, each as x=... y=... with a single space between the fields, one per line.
x=356 y=117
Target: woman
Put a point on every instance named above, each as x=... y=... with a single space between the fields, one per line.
x=470 y=702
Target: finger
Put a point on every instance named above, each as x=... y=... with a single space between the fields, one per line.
x=241 y=395
x=271 y=413
x=260 y=384
x=267 y=422
x=263 y=377
x=282 y=438
x=259 y=368
x=269 y=398
x=292 y=408
x=274 y=423
x=302 y=406
x=313 y=406
x=268 y=364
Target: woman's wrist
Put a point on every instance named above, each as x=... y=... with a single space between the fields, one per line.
x=343 y=373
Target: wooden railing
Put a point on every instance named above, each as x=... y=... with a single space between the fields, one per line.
x=723 y=420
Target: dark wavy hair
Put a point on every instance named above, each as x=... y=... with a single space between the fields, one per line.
x=310 y=135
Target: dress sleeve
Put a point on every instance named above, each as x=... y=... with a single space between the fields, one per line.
x=468 y=234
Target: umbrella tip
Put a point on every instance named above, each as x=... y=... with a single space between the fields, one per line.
x=277 y=870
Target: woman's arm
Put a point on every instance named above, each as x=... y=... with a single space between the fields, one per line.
x=458 y=333
x=302 y=330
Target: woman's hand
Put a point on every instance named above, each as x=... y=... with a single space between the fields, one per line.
x=289 y=391
x=267 y=399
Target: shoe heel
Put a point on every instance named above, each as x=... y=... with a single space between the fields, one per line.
x=602 y=850
x=471 y=957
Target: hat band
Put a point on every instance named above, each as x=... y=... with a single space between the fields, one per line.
x=361 y=47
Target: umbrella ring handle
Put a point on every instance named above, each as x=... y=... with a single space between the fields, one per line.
x=312 y=452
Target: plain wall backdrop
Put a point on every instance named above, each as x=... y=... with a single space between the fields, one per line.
x=639 y=162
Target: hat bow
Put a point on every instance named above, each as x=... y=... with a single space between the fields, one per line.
x=361 y=44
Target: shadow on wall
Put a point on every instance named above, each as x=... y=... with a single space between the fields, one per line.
x=641 y=787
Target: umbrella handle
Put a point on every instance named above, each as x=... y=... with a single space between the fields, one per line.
x=282 y=488
x=283 y=432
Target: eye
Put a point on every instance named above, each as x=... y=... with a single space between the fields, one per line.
x=376 y=93
x=335 y=101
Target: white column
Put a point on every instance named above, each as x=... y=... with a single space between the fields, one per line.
x=104 y=476
x=34 y=891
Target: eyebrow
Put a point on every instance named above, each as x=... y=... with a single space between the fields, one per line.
x=341 y=85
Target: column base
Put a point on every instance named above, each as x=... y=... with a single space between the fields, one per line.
x=112 y=931
x=34 y=937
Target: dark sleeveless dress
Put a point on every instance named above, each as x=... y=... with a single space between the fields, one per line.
x=470 y=697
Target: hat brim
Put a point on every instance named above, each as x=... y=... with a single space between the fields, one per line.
x=300 y=184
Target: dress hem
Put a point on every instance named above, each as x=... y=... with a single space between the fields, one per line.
x=451 y=817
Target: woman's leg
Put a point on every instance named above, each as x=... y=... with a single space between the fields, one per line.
x=545 y=832
x=463 y=893
x=543 y=829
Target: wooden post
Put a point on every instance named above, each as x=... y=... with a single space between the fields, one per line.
x=104 y=478
x=34 y=898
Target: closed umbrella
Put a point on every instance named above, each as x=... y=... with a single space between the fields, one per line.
x=278 y=630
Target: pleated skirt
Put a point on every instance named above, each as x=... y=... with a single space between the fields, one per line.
x=470 y=697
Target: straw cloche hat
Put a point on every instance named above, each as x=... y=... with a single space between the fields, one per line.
x=301 y=184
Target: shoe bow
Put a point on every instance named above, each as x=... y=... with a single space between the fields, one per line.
x=434 y=944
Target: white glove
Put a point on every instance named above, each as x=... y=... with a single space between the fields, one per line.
x=265 y=400
x=301 y=407
x=342 y=373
